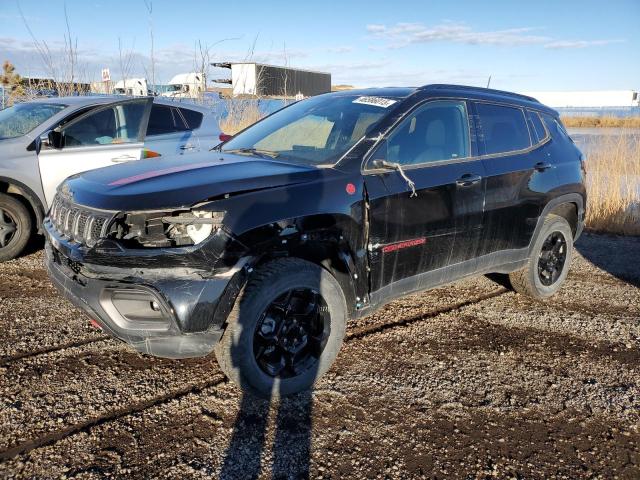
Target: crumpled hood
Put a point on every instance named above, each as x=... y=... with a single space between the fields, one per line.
x=181 y=181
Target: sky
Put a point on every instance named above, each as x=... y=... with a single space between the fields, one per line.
x=523 y=45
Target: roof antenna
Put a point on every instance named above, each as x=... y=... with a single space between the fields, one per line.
x=489 y=81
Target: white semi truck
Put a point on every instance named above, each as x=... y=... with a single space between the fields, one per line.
x=132 y=87
x=186 y=85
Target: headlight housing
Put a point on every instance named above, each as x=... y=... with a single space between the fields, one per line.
x=165 y=229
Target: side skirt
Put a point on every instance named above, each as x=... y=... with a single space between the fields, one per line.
x=505 y=261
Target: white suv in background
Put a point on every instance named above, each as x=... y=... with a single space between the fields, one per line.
x=44 y=141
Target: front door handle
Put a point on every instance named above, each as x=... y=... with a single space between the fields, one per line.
x=123 y=158
x=542 y=166
x=468 y=179
x=188 y=146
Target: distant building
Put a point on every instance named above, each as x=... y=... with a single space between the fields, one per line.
x=592 y=103
x=257 y=79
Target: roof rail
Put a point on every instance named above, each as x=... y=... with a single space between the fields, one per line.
x=444 y=86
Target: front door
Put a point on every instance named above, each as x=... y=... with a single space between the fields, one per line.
x=439 y=226
x=104 y=136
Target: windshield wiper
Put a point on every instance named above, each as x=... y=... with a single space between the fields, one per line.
x=398 y=167
x=253 y=151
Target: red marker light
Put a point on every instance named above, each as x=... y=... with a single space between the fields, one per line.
x=351 y=188
x=225 y=137
x=95 y=324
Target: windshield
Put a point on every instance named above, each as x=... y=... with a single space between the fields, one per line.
x=19 y=119
x=314 y=131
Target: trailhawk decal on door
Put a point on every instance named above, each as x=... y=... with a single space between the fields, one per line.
x=394 y=247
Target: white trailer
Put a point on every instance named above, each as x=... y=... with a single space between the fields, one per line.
x=588 y=99
x=186 y=85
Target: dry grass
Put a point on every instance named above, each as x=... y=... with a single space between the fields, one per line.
x=613 y=185
x=630 y=122
x=241 y=114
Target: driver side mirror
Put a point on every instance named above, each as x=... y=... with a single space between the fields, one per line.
x=53 y=139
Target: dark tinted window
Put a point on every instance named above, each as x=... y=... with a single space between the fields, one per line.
x=538 y=127
x=555 y=127
x=193 y=118
x=437 y=131
x=504 y=128
x=161 y=121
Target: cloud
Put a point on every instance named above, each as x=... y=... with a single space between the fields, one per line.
x=340 y=49
x=403 y=34
x=561 y=44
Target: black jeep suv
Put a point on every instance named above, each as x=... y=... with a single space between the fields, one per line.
x=263 y=248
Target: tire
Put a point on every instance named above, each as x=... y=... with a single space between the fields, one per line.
x=268 y=285
x=15 y=227
x=536 y=280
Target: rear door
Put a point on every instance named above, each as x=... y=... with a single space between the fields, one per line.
x=103 y=136
x=439 y=225
x=171 y=130
x=519 y=175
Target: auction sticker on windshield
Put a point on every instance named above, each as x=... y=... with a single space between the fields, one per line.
x=377 y=101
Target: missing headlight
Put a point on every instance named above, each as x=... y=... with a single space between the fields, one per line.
x=165 y=229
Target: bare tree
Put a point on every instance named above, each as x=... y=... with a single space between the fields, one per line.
x=149 y=6
x=62 y=67
x=125 y=60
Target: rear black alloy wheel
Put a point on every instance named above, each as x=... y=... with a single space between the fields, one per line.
x=549 y=260
x=292 y=333
x=553 y=256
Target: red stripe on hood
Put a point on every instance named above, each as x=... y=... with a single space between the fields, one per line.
x=159 y=173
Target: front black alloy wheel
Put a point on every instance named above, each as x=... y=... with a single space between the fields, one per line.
x=285 y=329
x=552 y=258
x=292 y=333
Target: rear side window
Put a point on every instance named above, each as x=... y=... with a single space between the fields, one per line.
x=164 y=120
x=538 y=127
x=193 y=118
x=504 y=128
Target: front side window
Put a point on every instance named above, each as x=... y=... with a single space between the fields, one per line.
x=113 y=125
x=315 y=131
x=435 y=132
x=504 y=128
x=20 y=119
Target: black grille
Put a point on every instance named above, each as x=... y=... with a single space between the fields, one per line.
x=78 y=223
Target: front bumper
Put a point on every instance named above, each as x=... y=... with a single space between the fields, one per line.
x=194 y=308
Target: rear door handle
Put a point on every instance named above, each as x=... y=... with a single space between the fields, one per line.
x=542 y=166
x=123 y=158
x=468 y=179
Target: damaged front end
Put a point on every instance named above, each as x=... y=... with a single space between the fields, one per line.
x=162 y=281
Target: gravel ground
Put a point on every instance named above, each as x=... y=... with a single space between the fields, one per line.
x=466 y=381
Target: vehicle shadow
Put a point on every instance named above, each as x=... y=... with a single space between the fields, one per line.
x=291 y=449
x=272 y=434
x=616 y=255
